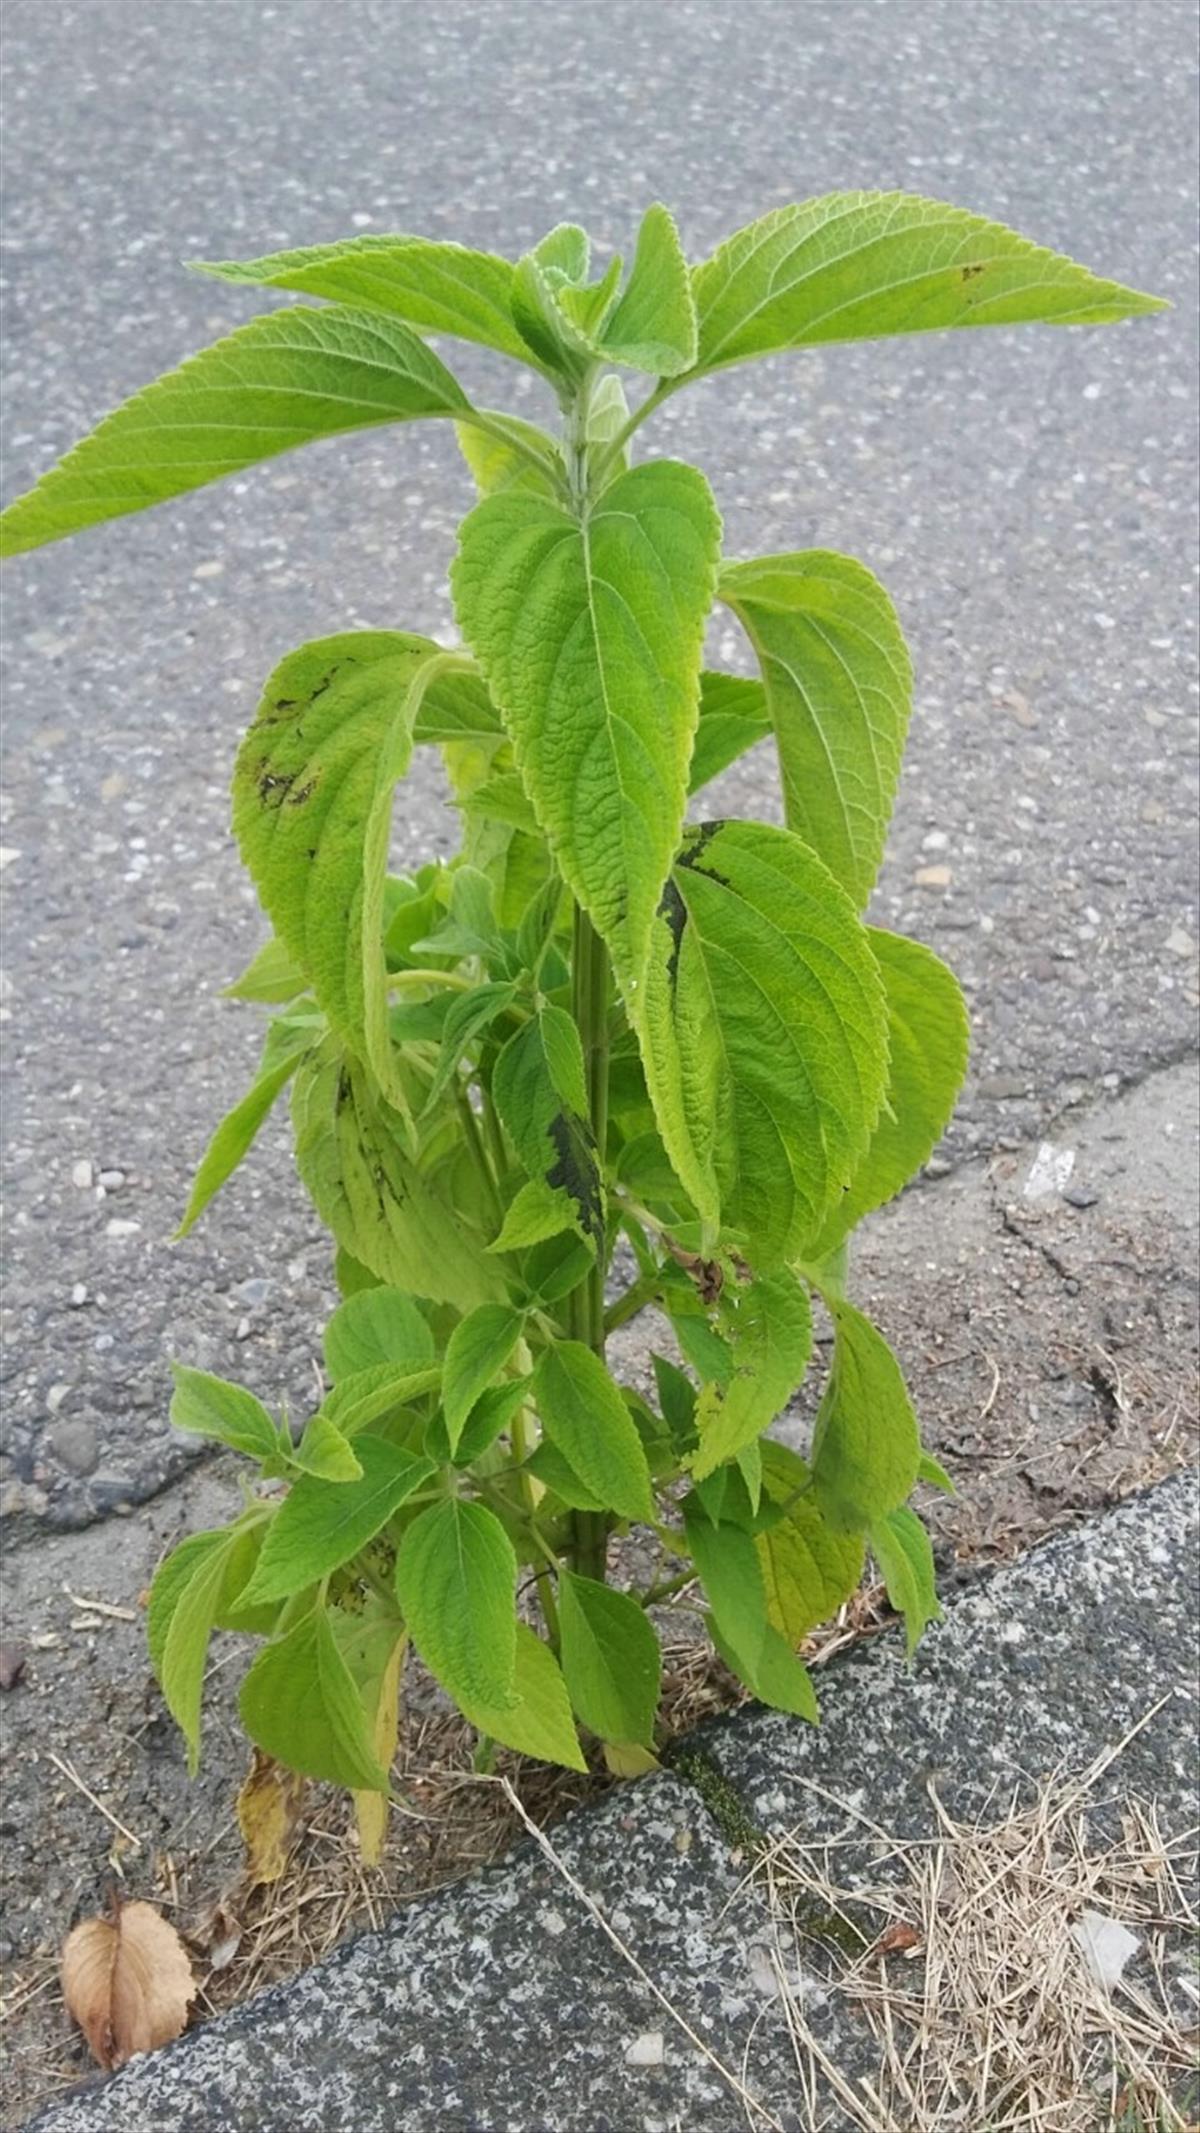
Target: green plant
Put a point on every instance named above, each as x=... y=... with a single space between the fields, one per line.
x=602 y=1029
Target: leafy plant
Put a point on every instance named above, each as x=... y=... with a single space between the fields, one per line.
x=613 y=1052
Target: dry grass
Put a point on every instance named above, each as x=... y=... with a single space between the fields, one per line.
x=969 y=1986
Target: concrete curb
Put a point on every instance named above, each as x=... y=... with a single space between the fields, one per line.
x=500 y=2007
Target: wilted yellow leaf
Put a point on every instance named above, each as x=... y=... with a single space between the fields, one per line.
x=371 y=1808
x=268 y=1808
x=127 y=1981
x=627 y=1759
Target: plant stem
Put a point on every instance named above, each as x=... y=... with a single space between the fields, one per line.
x=479 y=1156
x=542 y=1578
x=589 y=976
x=627 y=1306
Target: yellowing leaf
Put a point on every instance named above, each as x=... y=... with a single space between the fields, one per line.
x=128 y=1982
x=268 y=1809
x=371 y=1808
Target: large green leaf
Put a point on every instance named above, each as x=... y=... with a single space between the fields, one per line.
x=611 y=1659
x=371 y=1194
x=928 y=1041
x=589 y=635
x=901 y=1548
x=276 y=383
x=866 y=1445
x=585 y=1418
x=763 y=1034
x=654 y=325
x=808 y=1567
x=301 y=1704
x=511 y=454
x=539 y=1091
x=312 y=812
x=839 y=691
x=748 y=1641
x=442 y=287
x=192 y=1591
x=857 y=266
x=771 y=1339
x=456 y=1581
x=322 y=1524
x=538 y=1720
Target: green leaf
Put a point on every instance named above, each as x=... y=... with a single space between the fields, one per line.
x=372 y=1195
x=584 y=1415
x=729 y=1570
x=610 y=1659
x=490 y=1415
x=775 y=1675
x=299 y=1703
x=442 y=287
x=278 y=382
x=373 y=1394
x=857 y=266
x=456 y=1580
x=539 y=1091
x=468 y=1016
x=503 y=799
x=548 y=1465
x=237 y=1130
x=933 y=1473
x=270 y=977
x=511 y=454
x=677 y=1399
x=733 y=716
x=538 y=1721
x=312 y=812
x=928 y=1042
x=771 y=1339
x=379 y=1325
x=808 y=1567
x=590 y=635
x=901 y=1548
x=456 y=707
x=537 y=1213
x=866 y=1445
x=838 y=684
x=184 y=1648
x=322 y=1524
x=212 y=1407
x=763 y=1034
x=476 y=1353
x=654 y=325
x=323 y=1450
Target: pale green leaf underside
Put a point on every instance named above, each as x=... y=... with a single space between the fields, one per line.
x=213 y=1407
x=866 y=1445
x=377 y=1326
x=590 y=638
x=763 y=1035
x=808 y=1567
x=438 y=286
x=237 y=1130
x=369 y=1191
x=276 y=383
x=928 y=1041
x=838 y=684
x=857 y=266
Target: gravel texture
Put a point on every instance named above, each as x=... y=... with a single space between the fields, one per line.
x=501 y=2008
x=1027 y=497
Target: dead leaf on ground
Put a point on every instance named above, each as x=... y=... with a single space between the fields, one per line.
x=900 y=1939
x=268 y=1809
x=127 y=1981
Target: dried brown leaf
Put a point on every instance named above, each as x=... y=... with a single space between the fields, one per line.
x=127 y=1981
x=268 y=1809
x=899 y=1939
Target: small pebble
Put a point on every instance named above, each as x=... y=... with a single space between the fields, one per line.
x=79 y=1295
x=81 y=1175
x=120 y=1228
x=647 y=2050
x=112 y=1180
x=933 y=877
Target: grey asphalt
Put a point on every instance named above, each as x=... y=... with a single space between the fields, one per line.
x=1027 y=496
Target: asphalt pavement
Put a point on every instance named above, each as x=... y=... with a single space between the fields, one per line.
x=1027 y=496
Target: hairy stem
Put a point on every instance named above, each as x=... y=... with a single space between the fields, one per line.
x=639 y=1293
x=589 y=1529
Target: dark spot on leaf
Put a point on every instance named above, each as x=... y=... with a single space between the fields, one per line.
x=297 y=799
x=578 y=1172
x=695 y=843
x=968 y=273
x=672 y=907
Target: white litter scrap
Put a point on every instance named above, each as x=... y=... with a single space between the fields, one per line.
x=647 y=2050
x=1050 y=1171
x=1106 y=1946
